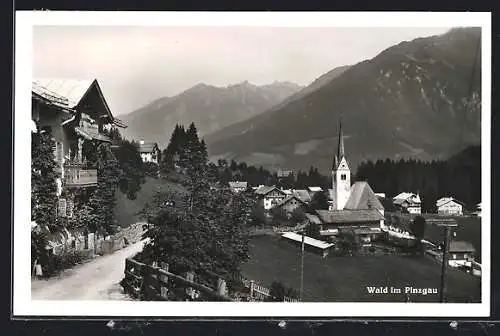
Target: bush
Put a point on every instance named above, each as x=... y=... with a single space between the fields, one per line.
x=60 y=262
x=151 y=169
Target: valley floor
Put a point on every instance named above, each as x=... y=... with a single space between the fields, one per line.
x=345 y=279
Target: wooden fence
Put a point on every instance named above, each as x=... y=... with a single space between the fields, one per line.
x=156 y=283
x=261 y=293
x=153 y=283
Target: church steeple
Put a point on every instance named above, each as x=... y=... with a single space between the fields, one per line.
x=340 y=153
x=341 y=174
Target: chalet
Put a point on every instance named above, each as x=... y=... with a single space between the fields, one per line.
x=354 y=208
x=238 y=186
x=408 y=202
x=74 y=112
x=149 y=151
x=449 y=206
x=270 y=196
x=291 y=203
x=461 y=253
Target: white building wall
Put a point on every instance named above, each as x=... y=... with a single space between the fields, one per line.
x=450 y=208
x=414 y=210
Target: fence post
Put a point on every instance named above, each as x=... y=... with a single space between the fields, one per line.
x=251 y=289
x=190 y=277
x=163 y=281
x=221 y=287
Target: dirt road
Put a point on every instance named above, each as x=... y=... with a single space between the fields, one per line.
x=97 y=279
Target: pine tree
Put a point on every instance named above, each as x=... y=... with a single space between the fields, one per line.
x=43 y=181
x=102 y=203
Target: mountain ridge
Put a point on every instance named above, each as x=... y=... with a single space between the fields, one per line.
x=411 y=100
x=210 y=107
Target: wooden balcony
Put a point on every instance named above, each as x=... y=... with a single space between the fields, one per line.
x=77 y=177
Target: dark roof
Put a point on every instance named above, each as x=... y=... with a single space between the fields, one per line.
x=288 y=199
x=461 y=246
x=304 y=195
x=147 y=147
x=362 y=197
x=264 y=190
x=349 y=216
x=313 y=219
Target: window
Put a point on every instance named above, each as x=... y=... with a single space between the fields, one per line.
x=343 y=177
x=454 y=256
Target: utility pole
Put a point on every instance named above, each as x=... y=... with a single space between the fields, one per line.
x=302 y=267
x=444 y=266
x=447 y=224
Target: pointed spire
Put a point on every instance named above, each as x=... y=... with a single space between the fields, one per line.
x=341 y=152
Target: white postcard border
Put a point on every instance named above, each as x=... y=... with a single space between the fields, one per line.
x=22 y=303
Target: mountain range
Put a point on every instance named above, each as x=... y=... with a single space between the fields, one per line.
x=211 y=108
x=418 y=99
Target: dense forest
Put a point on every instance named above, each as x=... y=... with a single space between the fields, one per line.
x=459 y=177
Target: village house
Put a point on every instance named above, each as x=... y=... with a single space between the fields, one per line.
x=74 y=112
x=149 y=152
x=290 y=204
x=238 y=186
x=270 y=196
x=408 y=202
x=354 y=208
x=449 y=206
x=461 y=253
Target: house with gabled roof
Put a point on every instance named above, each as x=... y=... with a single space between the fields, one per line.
x=290 y=204
x=270 y=196
x=449 y=206
x=238 y=186
x=408 y=202
x=149 y=152
x=73 y=112
x=354 y=208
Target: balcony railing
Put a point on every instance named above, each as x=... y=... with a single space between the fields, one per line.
x=76 y=176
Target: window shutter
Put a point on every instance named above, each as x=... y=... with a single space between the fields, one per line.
x=54 y=148
x=61 y=209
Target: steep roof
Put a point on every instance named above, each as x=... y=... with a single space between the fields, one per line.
x=288 y=199
x=349 y=216
x=445 y=200
x=303 y=195
x=264 y=190
x=146 y=147
x=461 y=246
x=403 y=196
x=362 y=197
x=313 y=219
x=69 y=92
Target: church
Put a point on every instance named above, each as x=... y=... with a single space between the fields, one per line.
x=354 y=208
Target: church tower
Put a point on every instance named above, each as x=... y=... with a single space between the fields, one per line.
x=341 y=175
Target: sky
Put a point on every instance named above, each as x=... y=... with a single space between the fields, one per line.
x=138 y=64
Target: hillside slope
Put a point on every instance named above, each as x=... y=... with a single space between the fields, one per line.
x=210 y=107
x=417 y=99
